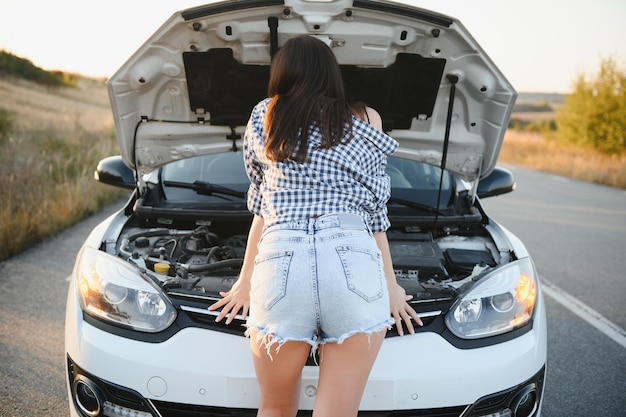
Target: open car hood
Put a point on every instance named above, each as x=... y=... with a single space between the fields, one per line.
x=190 y=88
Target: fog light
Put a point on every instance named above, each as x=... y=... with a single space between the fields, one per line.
x=502 y=413
x=526 y=402
x=114 y=410
x=88 y=397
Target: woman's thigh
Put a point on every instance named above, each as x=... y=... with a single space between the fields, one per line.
x=278 y=373
x=344 y=370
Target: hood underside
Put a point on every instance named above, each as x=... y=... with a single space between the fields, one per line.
x=190 y=88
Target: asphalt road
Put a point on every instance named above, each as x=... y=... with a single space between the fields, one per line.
x=33 y=289
x=575 y=231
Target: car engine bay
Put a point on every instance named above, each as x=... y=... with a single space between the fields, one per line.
x=205 y=260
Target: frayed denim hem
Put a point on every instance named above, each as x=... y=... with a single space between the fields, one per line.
x=386 y=325
x=266 y=337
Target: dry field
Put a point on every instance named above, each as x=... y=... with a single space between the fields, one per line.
x=48 y=156
x=534 y=150
x=35 y=107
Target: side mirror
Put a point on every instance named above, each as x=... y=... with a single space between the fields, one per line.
x=113 y=171
x=500 y=181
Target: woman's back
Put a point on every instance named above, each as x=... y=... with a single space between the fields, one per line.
x=348 y=177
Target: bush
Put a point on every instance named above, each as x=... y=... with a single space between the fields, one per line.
x=594 y=115
x=540 y=125
x=12 y=65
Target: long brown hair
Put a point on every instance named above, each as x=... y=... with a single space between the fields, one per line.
x=307 y=90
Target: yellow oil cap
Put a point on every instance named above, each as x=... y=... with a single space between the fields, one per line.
x=161 y=268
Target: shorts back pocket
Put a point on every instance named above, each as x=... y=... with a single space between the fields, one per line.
x=269 y=280
x=364 y=271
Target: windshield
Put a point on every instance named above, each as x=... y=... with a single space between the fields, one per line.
x=221 y=169
x=413 y=183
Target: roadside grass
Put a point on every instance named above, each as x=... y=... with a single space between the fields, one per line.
x=47 y=185
x=538 y=151
x=51 y=140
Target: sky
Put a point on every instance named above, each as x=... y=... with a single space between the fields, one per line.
x=539 y=45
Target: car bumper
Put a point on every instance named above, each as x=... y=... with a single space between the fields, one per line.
x=208 y=370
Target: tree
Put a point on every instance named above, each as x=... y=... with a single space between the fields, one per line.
x=594 y=115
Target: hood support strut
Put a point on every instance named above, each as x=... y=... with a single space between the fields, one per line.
x=272 y=22
x=452 y=79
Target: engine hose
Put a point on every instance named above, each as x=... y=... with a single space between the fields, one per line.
x=156 y=232
x=227 y=263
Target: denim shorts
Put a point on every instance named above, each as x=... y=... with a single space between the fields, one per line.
x=319 y=280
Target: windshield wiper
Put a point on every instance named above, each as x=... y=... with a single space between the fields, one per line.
x=205 y=188
x=415 y=205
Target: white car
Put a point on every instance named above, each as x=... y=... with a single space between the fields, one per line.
x=139 y=338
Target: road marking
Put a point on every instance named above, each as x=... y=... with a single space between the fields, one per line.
x=585 y=312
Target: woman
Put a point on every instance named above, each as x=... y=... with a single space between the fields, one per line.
x=317 y=270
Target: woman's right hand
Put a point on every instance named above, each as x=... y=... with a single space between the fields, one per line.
x=401 y=310
x=238 y=297
x=235 y=300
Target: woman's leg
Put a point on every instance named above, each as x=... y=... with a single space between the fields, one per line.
x=279 y=376
x=344 y=369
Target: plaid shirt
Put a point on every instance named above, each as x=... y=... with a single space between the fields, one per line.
x=347 y=178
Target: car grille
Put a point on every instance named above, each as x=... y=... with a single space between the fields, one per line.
x=201 y=317
x=184 y=410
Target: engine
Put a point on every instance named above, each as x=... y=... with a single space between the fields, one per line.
x=200 y=261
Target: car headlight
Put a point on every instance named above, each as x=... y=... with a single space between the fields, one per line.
x=112 y=290
x=501 y=301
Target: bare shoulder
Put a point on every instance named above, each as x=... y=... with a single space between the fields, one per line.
x=374 y=118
